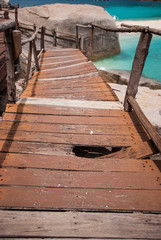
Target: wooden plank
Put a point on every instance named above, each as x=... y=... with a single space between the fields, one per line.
x=49 y=53
x=141 y=150
x=68 y=111
x=84 y=78
x=66 y=119
x=61 y=64
x=78 y=96
x=76 y=69
x=71 y=139
x=71 y=103
x=77 y=88
x=62 y=59
x=81 y=180
x=65 y=238
x=80 y=225
x=125 y=130
x=80 y=199
x=35 y=148
x=76 y=163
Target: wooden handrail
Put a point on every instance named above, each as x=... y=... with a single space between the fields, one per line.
x=143 y=29
x=32 y=37
x=83 y=26
x=145 y=122
x=129 y=28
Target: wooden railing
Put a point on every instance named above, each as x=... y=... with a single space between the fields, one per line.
x=32 y=48
x=54 y=35
x=142 y=50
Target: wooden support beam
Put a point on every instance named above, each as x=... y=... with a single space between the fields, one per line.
x=137 y=68
x=146 y=123
x=11 y=88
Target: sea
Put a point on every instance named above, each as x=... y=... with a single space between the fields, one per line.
x=122 y=10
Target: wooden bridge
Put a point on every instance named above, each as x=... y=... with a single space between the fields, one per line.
x=74 y=164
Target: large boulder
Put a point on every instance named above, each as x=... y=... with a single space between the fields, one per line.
x=4 y=2
x=64 y=17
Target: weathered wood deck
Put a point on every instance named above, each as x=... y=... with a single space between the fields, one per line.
x=66 y=105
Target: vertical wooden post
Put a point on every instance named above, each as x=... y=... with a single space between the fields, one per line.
x=6 y=15
x=90 y=43
x=11 y=87
x=35 y=56
x=29 y=62
x=42 y=45
x=54 y=37
x=79 y=43
x=77 y=37
x=137 y=67
x=34 y=27
x=16 y=18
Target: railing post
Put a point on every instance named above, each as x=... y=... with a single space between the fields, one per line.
x=54 y=37
x=42 y=45
x=35 y=56
x=137 y=68
x=90 y=43
x=6 y=15
x=16 y=18
x=11 y=88
x=77 y=37
x=29 y=62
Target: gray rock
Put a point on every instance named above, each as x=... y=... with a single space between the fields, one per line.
x=122 y=77
x=4 y=2
x=64 y=17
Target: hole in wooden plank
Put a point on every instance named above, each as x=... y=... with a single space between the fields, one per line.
x=93 y=152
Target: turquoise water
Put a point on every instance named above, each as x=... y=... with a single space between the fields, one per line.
x=123 y=61
x=135 y=12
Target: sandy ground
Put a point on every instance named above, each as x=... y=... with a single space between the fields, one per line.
x=149 y=100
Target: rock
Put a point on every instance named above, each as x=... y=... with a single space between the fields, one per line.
x=4 y=2
x=122 y=77
x=64 y=17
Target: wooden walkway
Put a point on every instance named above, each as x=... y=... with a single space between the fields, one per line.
x=67 y=115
